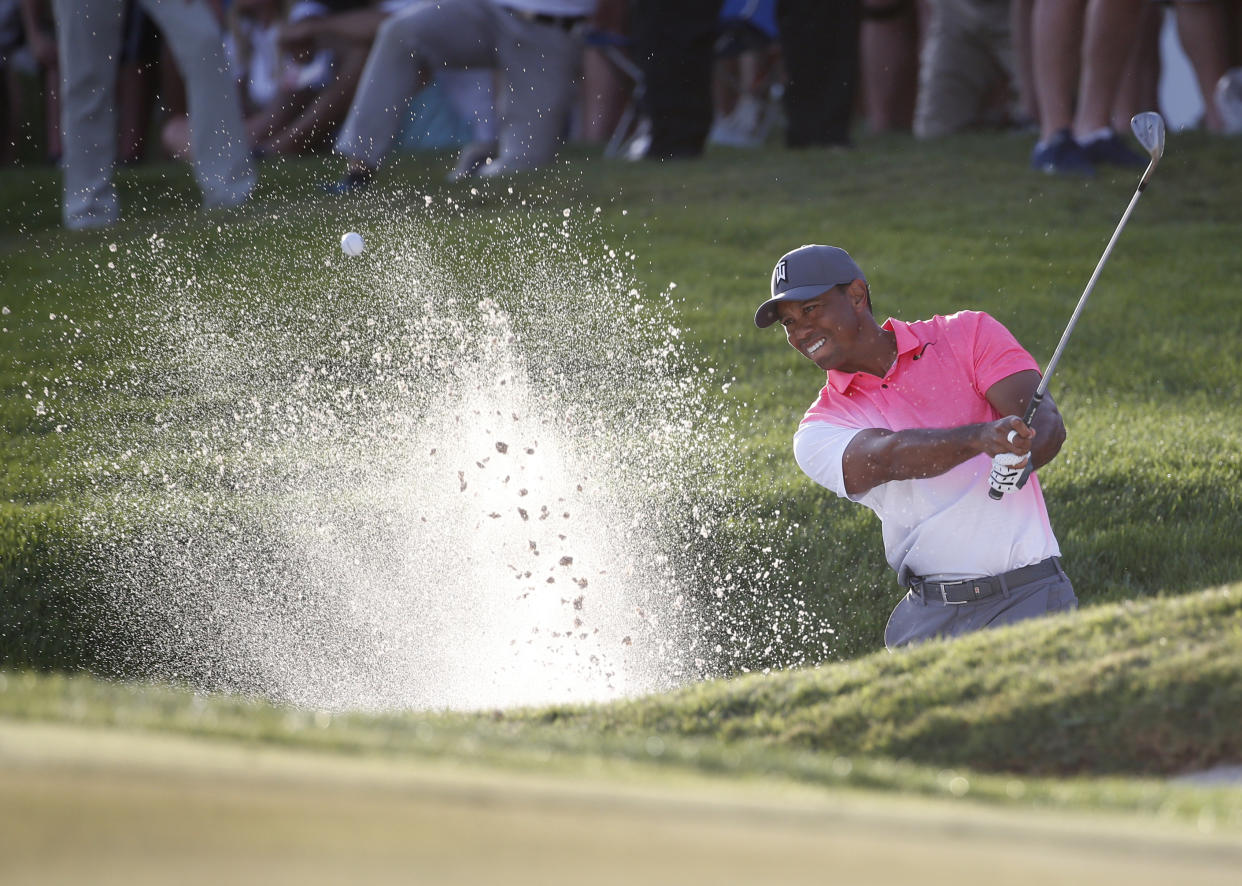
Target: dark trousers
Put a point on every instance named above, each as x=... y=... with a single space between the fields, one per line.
x=819 y=40
x=675 y=39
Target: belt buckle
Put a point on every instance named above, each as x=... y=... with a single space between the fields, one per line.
x=944 y=594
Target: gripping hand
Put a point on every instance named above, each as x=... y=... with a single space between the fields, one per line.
x=1007 y=470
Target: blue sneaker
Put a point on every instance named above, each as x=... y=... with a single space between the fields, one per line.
x=1112 y=150
x=1061 y=155
x=353 y=183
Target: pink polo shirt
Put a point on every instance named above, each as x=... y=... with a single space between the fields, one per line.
x=944 y=527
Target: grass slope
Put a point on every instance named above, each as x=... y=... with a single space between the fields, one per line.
x=1015 y=716
x=1149 y=688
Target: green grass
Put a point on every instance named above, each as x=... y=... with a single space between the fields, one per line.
x=1146 y=496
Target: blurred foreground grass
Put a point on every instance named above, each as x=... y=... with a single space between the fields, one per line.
x=1080 y=712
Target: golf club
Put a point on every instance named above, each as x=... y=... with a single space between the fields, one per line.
x=1149 y=130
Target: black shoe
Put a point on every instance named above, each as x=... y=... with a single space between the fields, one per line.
x=1061 y=155
x=353 y=183
x=1110 y=149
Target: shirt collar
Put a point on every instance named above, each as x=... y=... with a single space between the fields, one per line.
x=906 y=341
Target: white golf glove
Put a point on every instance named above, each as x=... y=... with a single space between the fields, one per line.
x=1006 y=471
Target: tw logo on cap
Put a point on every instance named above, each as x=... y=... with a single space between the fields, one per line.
x=780 y=276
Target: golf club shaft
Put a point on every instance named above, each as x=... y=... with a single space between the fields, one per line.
x=1038 y=397
x=1082 y=301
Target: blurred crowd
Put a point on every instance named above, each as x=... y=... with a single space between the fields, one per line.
x=226 y=84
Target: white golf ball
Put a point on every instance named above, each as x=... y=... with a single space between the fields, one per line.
x=351 y=243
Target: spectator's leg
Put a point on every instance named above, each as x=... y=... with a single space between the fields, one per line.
x=1056 y=51
x=1202 y=28
x=1233 y=13
x=820 y=42
x=175 y=137
x=889 y=50
x=1140 y=84
x=87 y=34
x=318 y=122
x=52 y=111
x=674 y=40
x=605 y=91
x=140 y=53
x=1020 y=27
x=539 y=65
x=1108 y=36
x=269 y=122
x=410 y=47
x=10 y=113
x=218 y=141
x=961 y=66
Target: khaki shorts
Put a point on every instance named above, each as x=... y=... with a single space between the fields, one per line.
x=967 y=52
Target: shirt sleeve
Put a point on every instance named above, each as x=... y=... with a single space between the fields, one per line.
x=819 y=448
x=997 y=353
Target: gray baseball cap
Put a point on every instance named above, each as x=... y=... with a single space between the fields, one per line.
x=804 y=274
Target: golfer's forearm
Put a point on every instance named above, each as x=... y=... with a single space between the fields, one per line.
x=912 y=454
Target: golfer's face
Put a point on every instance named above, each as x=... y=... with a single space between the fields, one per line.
x=823 y=329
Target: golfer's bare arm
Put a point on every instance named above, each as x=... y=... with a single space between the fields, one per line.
x=878 y=455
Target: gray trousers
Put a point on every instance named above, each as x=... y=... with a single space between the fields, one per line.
x=916 y=619
x=538 y=63
x=88 y=38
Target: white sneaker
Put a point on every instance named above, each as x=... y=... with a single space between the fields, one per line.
x=1228 y=97
x=473 y=159
x=746 y=126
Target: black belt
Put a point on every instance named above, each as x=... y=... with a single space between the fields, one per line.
x=564 y=22
x=971 y=589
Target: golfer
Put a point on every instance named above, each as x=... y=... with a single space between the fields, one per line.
x=917 y=421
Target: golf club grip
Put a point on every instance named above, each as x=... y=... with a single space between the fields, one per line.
x=1027 y=418
x=1036 y=399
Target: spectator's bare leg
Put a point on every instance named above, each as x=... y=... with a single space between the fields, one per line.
x=1020 y=22
x=266 y=123
x=10 y=114
x=1139 y=89
x=136 y=92
x=316 y=126
x=1202 y=29
x=175 y=137
x=1056 y=49
x=889 y=50
x=605 y=91
x=1110 y=29
x=51 y=104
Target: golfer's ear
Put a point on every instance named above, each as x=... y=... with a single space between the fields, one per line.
x=857 y=291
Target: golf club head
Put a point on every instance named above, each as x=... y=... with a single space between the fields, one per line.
x=1149 y=130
